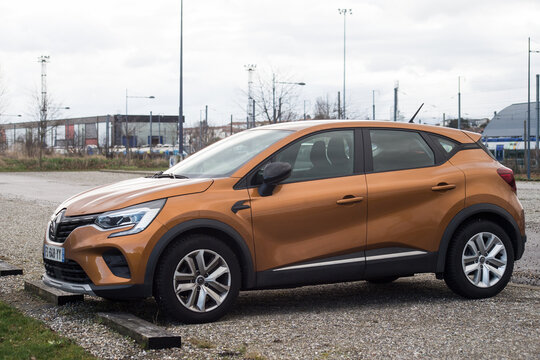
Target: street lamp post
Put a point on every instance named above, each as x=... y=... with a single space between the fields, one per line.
x=274 y=82
x=181 y=92
x=528 y=140
x=344 y=12
x=126 y=119
x=459 y=103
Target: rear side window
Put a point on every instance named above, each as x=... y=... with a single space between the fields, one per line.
x=447 y=144
x=398 y=150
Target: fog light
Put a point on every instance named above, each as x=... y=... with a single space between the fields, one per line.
x=117 y=263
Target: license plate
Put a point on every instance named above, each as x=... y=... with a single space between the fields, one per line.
x=54 y=253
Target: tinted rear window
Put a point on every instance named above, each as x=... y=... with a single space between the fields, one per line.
x=397 y=150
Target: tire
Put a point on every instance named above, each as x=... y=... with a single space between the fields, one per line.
x=475 y=272
x=383 y=280
x=206 y=295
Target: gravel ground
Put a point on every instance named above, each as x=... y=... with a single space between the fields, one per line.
x=415 y=317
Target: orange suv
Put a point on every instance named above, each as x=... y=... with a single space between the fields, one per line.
x=294 y=204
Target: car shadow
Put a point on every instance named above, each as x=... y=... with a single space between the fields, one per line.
x=352 y=296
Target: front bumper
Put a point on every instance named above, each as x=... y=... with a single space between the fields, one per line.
x=137 y=291
x=67 y=286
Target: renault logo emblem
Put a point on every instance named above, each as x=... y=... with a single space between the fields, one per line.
x=54 y=224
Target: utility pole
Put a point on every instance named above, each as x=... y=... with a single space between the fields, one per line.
x=159 y=129
x=344 y=12
x=273 y=98
x=150 y=142
x=253 y=112
x=396 y=100
x=528 y=143
x=181 y=93
x=106 y=136
x=339 y=112
x=231 y=124
x=459 y=103
x=443 y=119
x=373 y=93
x=279 y=109
x=537 y=114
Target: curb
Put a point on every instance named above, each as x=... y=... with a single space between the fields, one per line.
x=148 y=335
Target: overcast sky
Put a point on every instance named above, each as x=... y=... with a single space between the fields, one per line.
x=99 y=48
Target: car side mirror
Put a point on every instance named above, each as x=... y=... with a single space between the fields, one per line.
x=273 y=174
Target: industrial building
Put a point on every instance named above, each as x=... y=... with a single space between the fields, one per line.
x=505 y=134
x=100 y=131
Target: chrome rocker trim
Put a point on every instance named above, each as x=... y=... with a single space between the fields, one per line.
x=353 y=260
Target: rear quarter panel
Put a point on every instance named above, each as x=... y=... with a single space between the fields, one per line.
x=484 y=185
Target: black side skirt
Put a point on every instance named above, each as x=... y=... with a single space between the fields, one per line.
x=352 y=267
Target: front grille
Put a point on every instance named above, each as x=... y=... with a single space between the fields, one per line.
x=69 y=271
x=60 y=228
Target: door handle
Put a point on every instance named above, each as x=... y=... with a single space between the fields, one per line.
x=443 y=187
x=350 y=200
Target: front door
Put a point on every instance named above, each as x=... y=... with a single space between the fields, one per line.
x=313 y=226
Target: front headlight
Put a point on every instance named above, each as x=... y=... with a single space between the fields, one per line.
x=137 y=216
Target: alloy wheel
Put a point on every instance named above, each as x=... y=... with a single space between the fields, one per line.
x=484 y=259
x=202 y=280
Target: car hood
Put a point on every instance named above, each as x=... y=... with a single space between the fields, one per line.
x=130 y=192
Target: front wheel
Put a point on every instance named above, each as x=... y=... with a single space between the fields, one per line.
x=480 y=260
x=197 y=280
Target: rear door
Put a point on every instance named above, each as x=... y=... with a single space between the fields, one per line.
x=413 y=193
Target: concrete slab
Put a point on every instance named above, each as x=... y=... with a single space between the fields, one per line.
x=54 y=295
x=148 y=335
x=8 y=269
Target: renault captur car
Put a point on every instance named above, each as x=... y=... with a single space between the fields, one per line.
x=294 y=204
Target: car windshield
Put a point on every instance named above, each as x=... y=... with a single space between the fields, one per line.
x=226 y=156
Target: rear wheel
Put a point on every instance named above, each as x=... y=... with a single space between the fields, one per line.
x=480 y=260
x=197 y=280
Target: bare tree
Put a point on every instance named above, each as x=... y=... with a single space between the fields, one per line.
x=276 y=94
x=43 y=110
x=325 y=109
x=201 y=136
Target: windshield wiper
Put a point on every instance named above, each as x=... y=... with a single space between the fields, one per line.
x=160 y=175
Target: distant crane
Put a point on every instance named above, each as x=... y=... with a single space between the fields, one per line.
x=43 y=108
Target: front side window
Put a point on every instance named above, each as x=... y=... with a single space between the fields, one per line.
x=228 y=155
x=323 y=155
x=398 y=150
